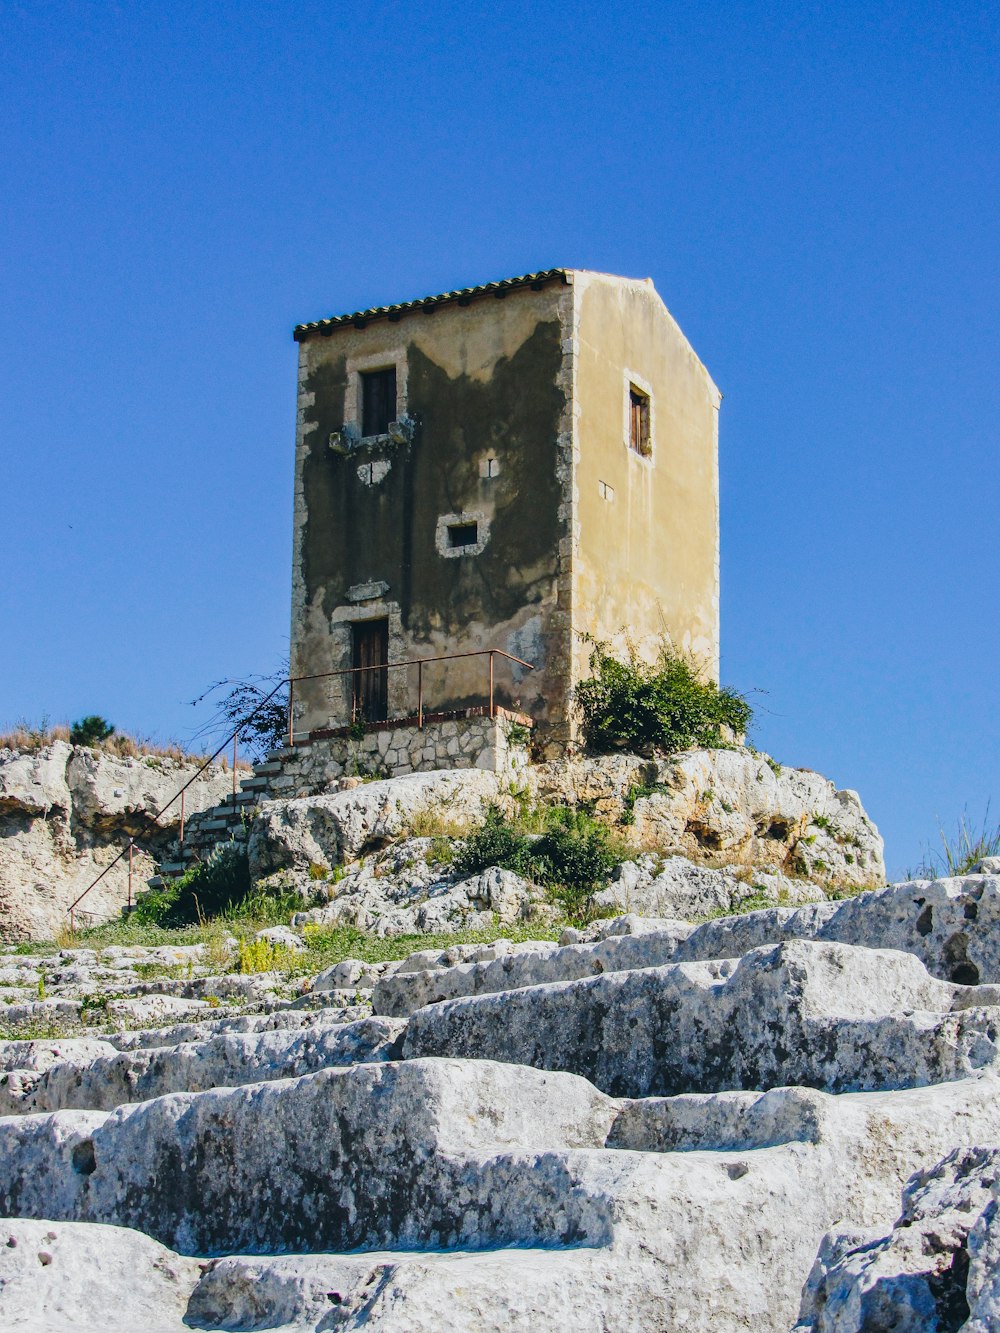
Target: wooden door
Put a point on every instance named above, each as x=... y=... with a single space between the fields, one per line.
x=371 y=687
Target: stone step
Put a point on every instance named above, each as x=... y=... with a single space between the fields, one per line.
x=345 y=1150
x=276 y=756
x=224 y=1060
x=256 y=784
x=268 y=768
x=801 y=1012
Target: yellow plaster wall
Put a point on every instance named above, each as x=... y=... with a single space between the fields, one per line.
x=647 y=562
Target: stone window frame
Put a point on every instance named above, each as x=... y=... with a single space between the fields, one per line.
x=391 y=358
x=633 y=380
x=341 y=645
x=446 y=521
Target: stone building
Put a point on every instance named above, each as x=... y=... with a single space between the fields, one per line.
x=513 y=467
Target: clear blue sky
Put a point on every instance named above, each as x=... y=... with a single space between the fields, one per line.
x=813 y=189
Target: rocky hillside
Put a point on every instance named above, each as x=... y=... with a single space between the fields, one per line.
x=702 y=832
x=66 y=811
x=643 y=1125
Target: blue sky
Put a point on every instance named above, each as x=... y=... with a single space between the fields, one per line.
x=813 y=189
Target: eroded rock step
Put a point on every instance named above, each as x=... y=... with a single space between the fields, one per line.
x=830 y=1016
x=474 y=1156
x=113 y=1078
x=952 y=925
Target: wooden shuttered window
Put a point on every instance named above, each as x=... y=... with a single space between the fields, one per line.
x=378 y=400
x=639 y=421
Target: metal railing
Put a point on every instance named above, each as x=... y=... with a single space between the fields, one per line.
x=233 y=739
x=419 y=663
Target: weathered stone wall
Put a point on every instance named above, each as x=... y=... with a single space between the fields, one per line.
x=392 y=751
x=647 y=558
x=488 y=388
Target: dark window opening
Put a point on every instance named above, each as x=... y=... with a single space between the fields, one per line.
x=370 y=642
x=463 y=534
x=638 y=435
x=378 y=400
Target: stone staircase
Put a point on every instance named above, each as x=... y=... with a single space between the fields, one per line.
x=229 y=821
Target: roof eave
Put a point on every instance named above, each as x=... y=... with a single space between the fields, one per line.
x=361 y=318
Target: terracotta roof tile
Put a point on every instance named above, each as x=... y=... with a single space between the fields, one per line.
x=462 y=297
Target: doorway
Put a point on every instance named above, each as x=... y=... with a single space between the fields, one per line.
x=370 y=640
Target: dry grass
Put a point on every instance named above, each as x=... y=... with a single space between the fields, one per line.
x=30 y=739
x=437 y=822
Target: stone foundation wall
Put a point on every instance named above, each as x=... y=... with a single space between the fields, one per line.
x=392 y=750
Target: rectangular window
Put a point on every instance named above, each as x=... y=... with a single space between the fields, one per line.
x=639 y=421
x=463 y=534
x=378 y=400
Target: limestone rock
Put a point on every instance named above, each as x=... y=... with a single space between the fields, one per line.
x=728 y=805
x=837 y=1017
x=328 y=830
x=917 y=1276
x=678 y=887
x=225 y=1060
x=90 y=1279
x=369 y=1155
x=66 y=812
x=400 y=892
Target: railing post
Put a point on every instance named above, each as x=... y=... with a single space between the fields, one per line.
x=420 y=696
x=291 y=716
x=130 y=848
x=72 y=921
x=182 y=821
x=235 y=735
x=491 y=682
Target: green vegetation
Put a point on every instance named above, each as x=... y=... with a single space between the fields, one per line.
x=262 y=955
x=961 y=850
x=518 y=734
x=258 y=706
x=90 y=730
x=29 y=738
x=573 y=854
x=661 y=708
x=207 y=890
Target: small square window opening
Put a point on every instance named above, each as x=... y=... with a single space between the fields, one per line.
x=463 y=534
x=378 y=400
x=639 y=438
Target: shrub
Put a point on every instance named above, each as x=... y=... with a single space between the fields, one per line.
x=90 y=730
x=255 y=705
x=665 y=707
x=573 y=857
x=494 y=843
x=262 y=955
x=208 y=889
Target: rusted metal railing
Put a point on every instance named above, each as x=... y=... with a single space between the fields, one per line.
x=151 y=821
x=419 y=663
x=233 y=739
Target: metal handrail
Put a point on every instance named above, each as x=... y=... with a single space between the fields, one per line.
x=233 y=738
x=419 y=663
x=179 y=794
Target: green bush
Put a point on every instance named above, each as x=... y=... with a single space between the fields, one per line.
x=663 y=707
x=209 y=889
x=573 y=857
x=494 y=843
x=90 y=730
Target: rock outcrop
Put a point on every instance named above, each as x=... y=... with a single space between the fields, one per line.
x=646 y=1126
x=732 y=807
x=66 y=812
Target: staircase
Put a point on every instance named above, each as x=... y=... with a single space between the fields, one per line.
x=229 y=821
